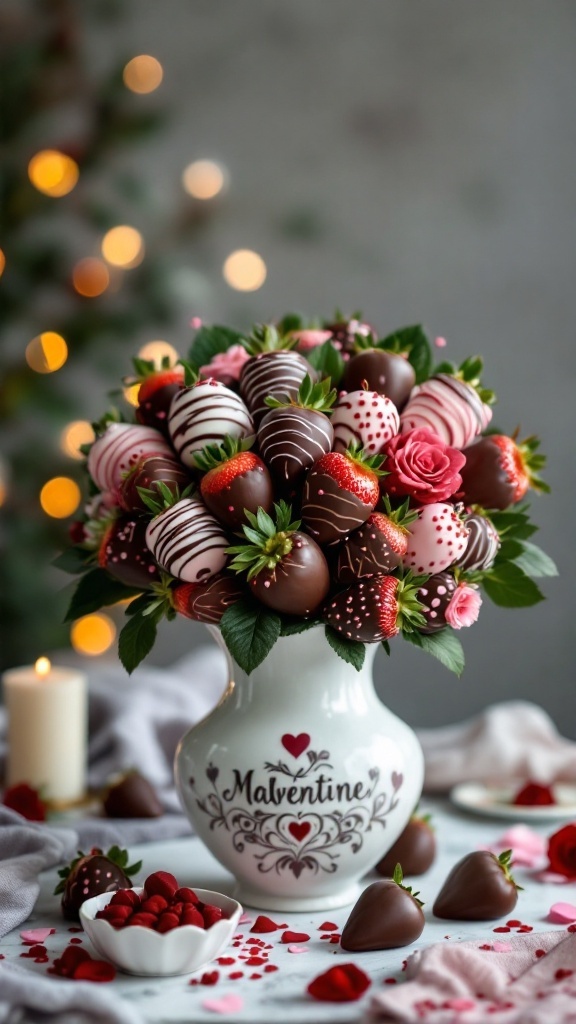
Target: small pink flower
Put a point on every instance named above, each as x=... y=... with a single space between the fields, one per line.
x=310 y=338
x=464 y=607
x=226 y=366
x=440 y=342
x=422 y=465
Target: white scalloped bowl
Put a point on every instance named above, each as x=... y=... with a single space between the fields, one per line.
x=142 y=951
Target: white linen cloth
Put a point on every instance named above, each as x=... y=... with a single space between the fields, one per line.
x=33 y=999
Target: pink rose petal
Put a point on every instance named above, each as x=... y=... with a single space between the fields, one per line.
x=562 y=913
x=245 y=919
x=528 y=848
x=298 y=949
x=501 y=947
x=226 y=1004
x=34 y=935
x=551 y=876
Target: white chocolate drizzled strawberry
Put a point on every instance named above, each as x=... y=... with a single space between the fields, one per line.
x=449 y=407
x=119 y=448
x=272 y=374
x=187 y=541
x=205 y=414
x=365 y=418
x=437 y=539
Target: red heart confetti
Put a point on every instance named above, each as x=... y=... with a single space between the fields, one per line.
x=328 y=926
x=225 y=961
x=235 y=975
x=255 y=961
x=269 y=968
x=209 y=978
x=295 y=745
x=342 y=984
x=294 y=937
x=538 y=953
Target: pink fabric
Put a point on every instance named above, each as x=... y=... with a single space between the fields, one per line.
x=529 y=979
x=508 y=741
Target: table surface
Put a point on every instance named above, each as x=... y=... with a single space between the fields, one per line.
x=281 y=996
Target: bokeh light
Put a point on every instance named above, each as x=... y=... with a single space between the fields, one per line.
x=143 y=74
x=47 y=352
x=53 y=173
x=244 y=270
x=131 y=393
x=156 y=351
x=60 y=497
x=123 y=246
x=204 y=179
x=93 y=634
x=75 y=434
x=90 y=277
x=2 y=262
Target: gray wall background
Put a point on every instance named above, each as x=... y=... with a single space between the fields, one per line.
x=415 y=161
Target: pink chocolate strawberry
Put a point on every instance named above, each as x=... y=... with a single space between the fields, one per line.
x=499 y=471
x=376 y=609
x=452 y=405
x=125 y=554
x=119 y=448
x=364 y=418
x=286 y=570
x=377 y=547
x=235 y=480
x=438 y=538
x=207 y=602
x=340 y=492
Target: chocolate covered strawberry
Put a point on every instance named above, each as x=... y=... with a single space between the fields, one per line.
x=205 y=413
x=376 y=609
x=435 y=596
x=184 y=538
x=386 y=916
x=340 y=492
x=415 y=849
x=364 y=418
x=90 y=874
x=235 y=480
x=499 y=470
x=285 y=568
x=438 y=538
x=146 y=474
x=479 y=887
x=387 y=373
x=452 y=405
x=158 y=385
x=377 y=547
x=273 y=371
x=207 y=602
x=296 y=431
x=125 y=554
x=116 y=451
x=483 y=543
x=346 y=333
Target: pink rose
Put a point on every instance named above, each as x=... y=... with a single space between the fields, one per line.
x=226 y=366
x=309 y=339
x=464 y=607
x=420 y=464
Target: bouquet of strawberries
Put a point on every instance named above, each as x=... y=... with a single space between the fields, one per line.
x=304 y=475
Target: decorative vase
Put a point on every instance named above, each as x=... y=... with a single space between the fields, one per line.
x=300 y=779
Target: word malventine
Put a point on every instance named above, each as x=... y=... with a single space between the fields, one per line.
x=321 y=791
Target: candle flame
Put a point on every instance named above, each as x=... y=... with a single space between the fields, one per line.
x=42 y=667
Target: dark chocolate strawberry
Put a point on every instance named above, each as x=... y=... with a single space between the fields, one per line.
x=478 y=888
x=207 y=602
x=158 y=385
x=340 y=492
x=296 y=432
x=92 y=873
x=132 y=796
x=386 y=916
x=377 y=547
x=147 y=473
x=235 y=480
x=286 y=570
x=499 y=470
x=124 y=552
x=435 y=596
x=376 y=609
x=415 y=849
x=482 y=545
x=274 y=371
x=387 y=373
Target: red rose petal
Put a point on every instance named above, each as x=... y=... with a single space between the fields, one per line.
x=502 y=928
x=264 y=924
x=235 y=975
x=328 y=926
x=94 y=970
x=513 y=923
x=539 y=953
x=225 y=961
x=563 y=972
x=342 y=984
x=255 y=961
x=209 y=977
x=254 y=977
x=271 y=967
x=294 y=937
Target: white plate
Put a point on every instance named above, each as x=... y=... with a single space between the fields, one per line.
x=495 y=802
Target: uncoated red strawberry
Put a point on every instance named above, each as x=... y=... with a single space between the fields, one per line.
x=438 y=538
x=375 y=609
x=340 y=492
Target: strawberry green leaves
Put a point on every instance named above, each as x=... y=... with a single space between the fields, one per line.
x=414 y=342
x=249 y=631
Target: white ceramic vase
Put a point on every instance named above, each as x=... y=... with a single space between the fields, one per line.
x=300 y=780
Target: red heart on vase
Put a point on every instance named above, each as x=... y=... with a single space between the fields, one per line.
x=295 y=745
x=299 y=829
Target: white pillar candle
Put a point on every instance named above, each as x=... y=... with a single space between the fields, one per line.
x=47 y=729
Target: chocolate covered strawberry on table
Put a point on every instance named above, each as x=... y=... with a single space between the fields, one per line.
x=342 y=480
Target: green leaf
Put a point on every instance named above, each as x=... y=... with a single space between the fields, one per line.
x=443 y=645
x=249 y=631
x=73 y=560
x=414 y=342
x=512 y=524
x=351 y=651
x=137 y=639
x=509 y=549
x=386 y=647
x=508 y=586
x=210 y=341
x=97 y=590
x=535 y=562
x=327 y=360
x=291 y=627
